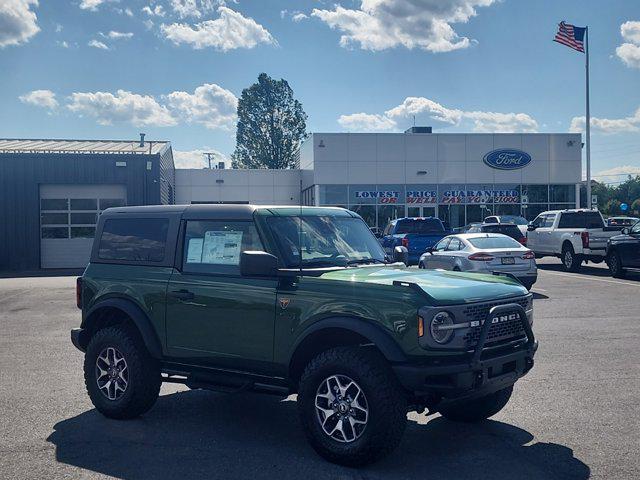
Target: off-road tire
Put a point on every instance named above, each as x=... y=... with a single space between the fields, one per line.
x=386 y=402
x=571 y=262
x=144 y=377
x=421 y=265
x=478 y=409
x=615 y=265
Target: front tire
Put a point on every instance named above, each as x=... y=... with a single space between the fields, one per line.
x=615 y=265
x=351 y=406
x=122 y=379
x=478 y=409
x=570 y=261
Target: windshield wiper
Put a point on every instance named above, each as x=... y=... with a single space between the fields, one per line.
x=364 y=261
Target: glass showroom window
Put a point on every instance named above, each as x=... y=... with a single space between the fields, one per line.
x=367 y=212
x=479 y=199
x=363 y=194
x=388 y=212
x=333 y=195
x=451 y=208
x=532 y=210
x=562 y=194
x=536 y=193
x=506 y=199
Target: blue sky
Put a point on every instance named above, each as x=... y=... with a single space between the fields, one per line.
x=173 y=68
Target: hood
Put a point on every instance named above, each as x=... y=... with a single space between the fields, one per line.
x=445 y=287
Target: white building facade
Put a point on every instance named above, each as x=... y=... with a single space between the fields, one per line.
x=460 y=178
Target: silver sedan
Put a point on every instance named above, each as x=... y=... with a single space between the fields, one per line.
x=482 y=253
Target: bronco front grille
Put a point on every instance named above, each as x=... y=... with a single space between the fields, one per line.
x=505 y=330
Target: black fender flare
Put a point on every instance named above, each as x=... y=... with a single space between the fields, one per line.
x=139 y=318
x=372 y=332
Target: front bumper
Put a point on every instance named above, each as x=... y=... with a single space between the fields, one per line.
x=480 y=371
x=461 y=380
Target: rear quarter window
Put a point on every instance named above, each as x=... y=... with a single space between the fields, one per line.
x=134 y=239
x=580 y=220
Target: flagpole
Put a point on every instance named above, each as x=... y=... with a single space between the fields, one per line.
x=588 y=119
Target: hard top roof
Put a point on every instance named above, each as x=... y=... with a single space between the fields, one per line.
x=228 y=211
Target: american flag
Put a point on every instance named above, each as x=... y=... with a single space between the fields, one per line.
x=571 y=36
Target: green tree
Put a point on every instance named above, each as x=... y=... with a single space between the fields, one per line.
x=271 y=125
x=635 y=207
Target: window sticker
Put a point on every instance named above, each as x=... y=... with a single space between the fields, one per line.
x=222 y=247
x=194 y=250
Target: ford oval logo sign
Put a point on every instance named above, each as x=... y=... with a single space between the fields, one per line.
x=507 y=159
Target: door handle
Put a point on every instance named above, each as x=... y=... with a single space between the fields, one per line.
x=182 y=294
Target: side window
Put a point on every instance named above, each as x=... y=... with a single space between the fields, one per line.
x=214 y=246
x=454 y=245
x=538 y=221
x=491 y=220
x=442 y=244
x=636 y=228
x=134 y=239
x=549 y=219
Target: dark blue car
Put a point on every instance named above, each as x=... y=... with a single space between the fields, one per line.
x=415 y=233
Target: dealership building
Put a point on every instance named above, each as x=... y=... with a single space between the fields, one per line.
x=53 y=190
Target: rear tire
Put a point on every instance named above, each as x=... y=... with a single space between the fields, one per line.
x=478 y=409
x=122 y=379
x=615 y=265
x=376 y=390
x=421 y=265
x=570 y=261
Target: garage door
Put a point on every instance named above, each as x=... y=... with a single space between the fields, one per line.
x=68 y=215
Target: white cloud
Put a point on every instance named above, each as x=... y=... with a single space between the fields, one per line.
x=148 y=23
x=157 y=11
x=123 y=107
x=59 y=28
x=366 y=122
x=230 y=31
x=113 y=35
x=17 y=22
x=430 y=111
x=93 y=4
x=197 y=158
x=608 y=125
x=425 y=24
x=209 y=105
x=296 y=15
x=193 y=8
x=629 y=52
x=40 y=98
x=98 y=44
x=618 y=171
x=62 y=44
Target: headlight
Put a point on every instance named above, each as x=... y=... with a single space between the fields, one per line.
x=438 y=327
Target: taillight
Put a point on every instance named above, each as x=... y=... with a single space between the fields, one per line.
x=405 y=242
x=79 y=292
x=529 y=255
x=585 y=239
x=481 y=257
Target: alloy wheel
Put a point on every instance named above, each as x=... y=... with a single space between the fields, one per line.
x=341 y=408
x=112 y=375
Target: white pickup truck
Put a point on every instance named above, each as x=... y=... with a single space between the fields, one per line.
x=573 y=236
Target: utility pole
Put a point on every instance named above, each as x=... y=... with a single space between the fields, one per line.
x=209 y=155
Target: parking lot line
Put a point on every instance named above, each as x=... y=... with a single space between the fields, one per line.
x=595 y=279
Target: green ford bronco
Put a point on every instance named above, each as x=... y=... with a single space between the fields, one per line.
x=287 y=300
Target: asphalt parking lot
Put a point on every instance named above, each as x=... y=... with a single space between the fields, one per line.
x=575 y=416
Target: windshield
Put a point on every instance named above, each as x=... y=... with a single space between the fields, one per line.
x=494 y=241
x=426 y=225
x=325 y=241
x=514 y=219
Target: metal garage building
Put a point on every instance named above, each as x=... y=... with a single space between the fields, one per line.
x=53 y=191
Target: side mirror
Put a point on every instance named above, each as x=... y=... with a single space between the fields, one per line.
x=258 y=264
x=531 y=227
x=401 y=254
x=429 y=250
x=625 y=231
